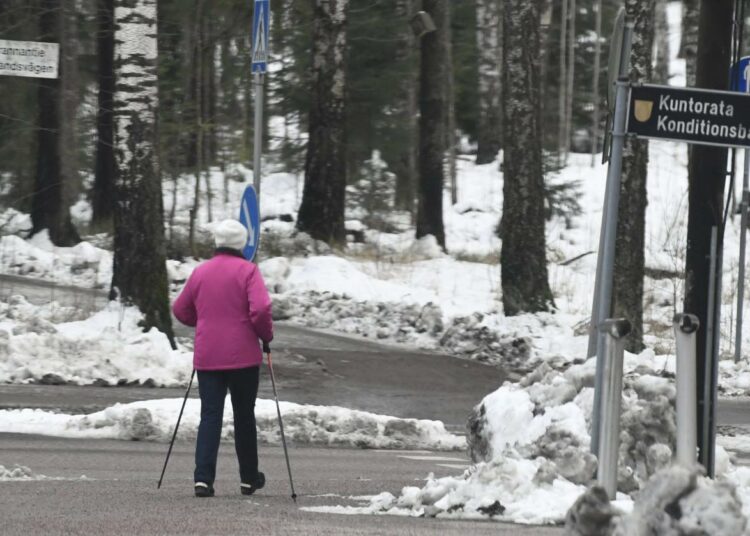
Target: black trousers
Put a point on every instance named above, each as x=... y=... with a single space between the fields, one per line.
x=243 y=386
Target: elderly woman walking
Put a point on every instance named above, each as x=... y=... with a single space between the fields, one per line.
x=226 y=300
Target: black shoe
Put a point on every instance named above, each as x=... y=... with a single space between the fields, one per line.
x=203 y=490
x=249 y=489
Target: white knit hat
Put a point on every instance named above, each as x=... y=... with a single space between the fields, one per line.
x=230 y=234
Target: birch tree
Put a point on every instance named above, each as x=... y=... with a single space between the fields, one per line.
x=523 y=257
x=432 y=106
x=139 y=274
x=627 y=297
x=321 y=213
x=661 y=43
x=489 y=44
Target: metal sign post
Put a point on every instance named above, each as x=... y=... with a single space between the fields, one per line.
x=613 y=72
x=259 y=68
x=606 y=256
x=741 y=79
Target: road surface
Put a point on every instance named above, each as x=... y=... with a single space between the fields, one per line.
x=119 y=495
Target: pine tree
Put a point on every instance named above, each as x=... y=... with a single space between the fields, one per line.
x=51 y=202
x=627 y=296
x=139 y=273
x=321 y=213
x=523 y=257
x=104 y=171
x=706 y=178
x=432 y=109
x=689 y=42
x=489 y=45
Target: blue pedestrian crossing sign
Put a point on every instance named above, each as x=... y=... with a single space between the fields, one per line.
x=740 y=75
x=250 y=218
x=260 y=36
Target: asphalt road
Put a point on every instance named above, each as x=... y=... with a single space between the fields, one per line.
x=312 y=367
x=119 y=494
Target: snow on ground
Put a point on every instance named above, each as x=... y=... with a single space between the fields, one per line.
x=53 y=344
x=153 y=420
x=21 y=473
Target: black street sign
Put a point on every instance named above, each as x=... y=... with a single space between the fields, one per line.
x=691 y=115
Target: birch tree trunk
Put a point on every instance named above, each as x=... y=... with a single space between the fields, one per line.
x=523 y=257
x=139 y=274
x=661 y=41
x=489 y=45
x=627 y=297
x=431 y=124
x=321 y=213
x=50 y=201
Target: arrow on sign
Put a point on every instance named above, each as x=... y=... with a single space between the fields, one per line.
x=250 y=228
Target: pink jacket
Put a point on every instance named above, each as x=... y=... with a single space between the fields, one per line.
x=226 y=300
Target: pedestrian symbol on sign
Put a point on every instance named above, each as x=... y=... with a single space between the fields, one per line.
x=260 y=36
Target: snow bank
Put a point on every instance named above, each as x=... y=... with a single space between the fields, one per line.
x=505 y=489
x=83 y=264
x=38 y=344
x=675 y=501
x=153 y=420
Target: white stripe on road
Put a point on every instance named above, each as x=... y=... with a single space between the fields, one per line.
x=453 y=465
x=433 y=458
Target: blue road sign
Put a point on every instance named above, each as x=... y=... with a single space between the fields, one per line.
x=250 y=218
x=260 y=36
x=740 y=75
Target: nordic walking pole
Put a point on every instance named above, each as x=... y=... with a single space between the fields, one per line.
x=176 y=426
x=267 y=350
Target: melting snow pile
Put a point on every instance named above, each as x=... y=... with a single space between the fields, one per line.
x=674 y=502
x=154 y=420
x=18 y=472
x=530 y=445
x=53 y=344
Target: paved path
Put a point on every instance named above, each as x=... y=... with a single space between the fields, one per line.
x=312 y=367
x=120 y=495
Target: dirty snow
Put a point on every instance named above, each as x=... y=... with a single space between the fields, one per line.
x=153 y=420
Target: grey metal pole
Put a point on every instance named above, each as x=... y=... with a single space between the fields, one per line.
x=743 y=238
x=615 y=161
x=609 y=224
x=685 y=328
x=613 y=332
x=258 y=133
x=706 y=438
